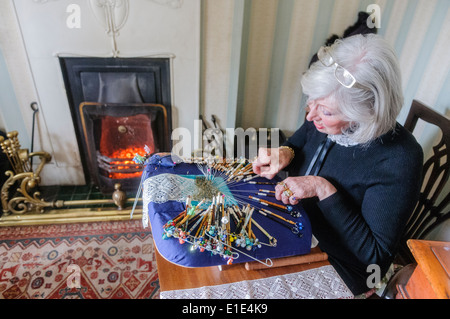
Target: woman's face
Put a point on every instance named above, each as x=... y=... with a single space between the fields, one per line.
x=326 y=117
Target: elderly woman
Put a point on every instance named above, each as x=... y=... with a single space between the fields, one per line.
x=356 y=171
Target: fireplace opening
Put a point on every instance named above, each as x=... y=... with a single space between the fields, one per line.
x=115 y=133
x=121 y=138
x=118 y=106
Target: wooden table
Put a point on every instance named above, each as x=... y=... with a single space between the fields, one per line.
x=174 y=277
x=431 y=277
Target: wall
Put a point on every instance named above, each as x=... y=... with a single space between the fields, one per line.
x=10 y=121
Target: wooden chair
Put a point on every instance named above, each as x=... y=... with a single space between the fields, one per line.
x=430 y=211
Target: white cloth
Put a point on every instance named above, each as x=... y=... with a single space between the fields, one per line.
x=317 y=283
x=342 y=139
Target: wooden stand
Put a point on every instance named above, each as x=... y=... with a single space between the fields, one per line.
x=316 y=255
x=431 y=277
x=174 y=277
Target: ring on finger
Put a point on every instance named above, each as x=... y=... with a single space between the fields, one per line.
x=288 y=192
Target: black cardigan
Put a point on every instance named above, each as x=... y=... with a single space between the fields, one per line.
x=377 y=189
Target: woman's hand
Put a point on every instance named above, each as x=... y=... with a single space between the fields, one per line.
x=304 y=187
x=271 y=160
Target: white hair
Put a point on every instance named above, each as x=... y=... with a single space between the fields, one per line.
x=372 y=105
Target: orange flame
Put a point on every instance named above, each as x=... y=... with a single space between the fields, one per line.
x=126 y=158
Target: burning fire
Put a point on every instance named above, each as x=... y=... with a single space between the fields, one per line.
x=125 y=162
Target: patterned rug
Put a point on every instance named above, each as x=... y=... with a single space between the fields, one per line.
x=102 y=260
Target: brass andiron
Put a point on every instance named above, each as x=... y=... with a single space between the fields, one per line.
x=24 y=206
x=22 y=175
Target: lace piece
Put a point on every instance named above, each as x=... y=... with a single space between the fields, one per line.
x=342 y=139
x=170 y=187
x=318 y=283
x=162 y=188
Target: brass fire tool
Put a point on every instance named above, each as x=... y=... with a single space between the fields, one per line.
x=23 y=205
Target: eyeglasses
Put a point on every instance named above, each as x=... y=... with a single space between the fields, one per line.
x=341 y=74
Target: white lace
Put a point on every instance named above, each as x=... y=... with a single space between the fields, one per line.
x=162 y=188
x=318 y=283
x=342 y=139
x=170 y=187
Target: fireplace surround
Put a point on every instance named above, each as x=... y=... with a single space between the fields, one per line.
x=118 y=105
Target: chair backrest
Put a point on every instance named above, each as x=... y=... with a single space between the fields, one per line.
x=429 y=213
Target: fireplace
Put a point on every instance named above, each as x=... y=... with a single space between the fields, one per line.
x=118 y=106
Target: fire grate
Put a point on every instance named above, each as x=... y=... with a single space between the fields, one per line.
x=115 y=133
x=119 y=167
